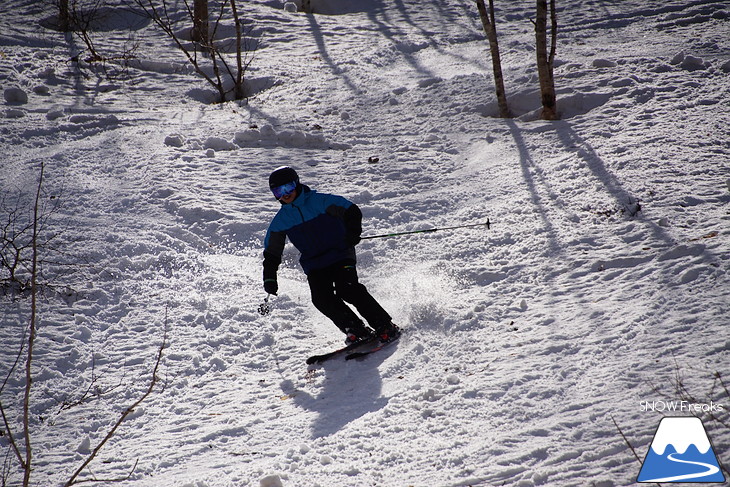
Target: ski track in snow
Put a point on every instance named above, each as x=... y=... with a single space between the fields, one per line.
x=523 y=341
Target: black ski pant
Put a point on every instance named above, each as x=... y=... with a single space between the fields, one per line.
x=334 y=286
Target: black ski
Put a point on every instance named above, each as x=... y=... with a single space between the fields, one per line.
x=365 y=353
x=318 y=359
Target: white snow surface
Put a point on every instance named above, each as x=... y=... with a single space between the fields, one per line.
x=602 y=282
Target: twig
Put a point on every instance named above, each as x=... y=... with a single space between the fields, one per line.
x=8 y=429
x=127 y=412
x=724 y=386
x=120 y=479
x=625 y=439
x=92 y=391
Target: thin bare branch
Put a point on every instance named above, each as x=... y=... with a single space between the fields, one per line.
x=722 y=383
x=216 y=55
x=109 y=481
x=153 y=381
x=626 y=440
x=6 y=423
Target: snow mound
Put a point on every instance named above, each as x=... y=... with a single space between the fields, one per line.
x=267 y=136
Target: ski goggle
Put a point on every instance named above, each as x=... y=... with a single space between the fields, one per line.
x=284 y=190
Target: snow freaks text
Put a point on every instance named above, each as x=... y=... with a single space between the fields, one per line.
x=680 y=407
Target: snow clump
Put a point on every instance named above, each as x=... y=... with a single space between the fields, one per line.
x=15 y=95
x=175 y=140
x=271 y=481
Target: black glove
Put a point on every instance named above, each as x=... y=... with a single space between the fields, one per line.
x=353 y=225
x=271 y=286
x=352 y=240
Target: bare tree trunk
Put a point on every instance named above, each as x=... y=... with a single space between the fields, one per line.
x=491 y=30
x=216 y=53
x=200 y=31
x=553 y=32
x=238 y=91
x=31 y=335
x=545 y=60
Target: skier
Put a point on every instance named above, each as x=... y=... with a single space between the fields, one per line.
x=325 y=228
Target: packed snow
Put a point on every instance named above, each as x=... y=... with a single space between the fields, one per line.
x=529 y=348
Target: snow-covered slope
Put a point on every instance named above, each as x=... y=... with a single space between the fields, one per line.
x=601 y=283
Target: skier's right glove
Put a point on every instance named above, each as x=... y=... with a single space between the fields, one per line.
x=271 y=286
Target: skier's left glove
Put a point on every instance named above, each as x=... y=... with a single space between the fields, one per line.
x=353 y=225
x=271 y=286
x=351 y=240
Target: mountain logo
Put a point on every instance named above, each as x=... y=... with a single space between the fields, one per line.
x=681 y=452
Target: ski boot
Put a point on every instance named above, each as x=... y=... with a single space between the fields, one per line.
x=358 y=334
x=388 y=332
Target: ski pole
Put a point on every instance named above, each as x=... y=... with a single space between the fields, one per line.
x=265 y=307
x=429 y=230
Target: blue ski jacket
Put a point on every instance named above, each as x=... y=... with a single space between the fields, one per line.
x=323 y=227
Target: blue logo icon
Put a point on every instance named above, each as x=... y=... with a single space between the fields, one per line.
x=681 y=452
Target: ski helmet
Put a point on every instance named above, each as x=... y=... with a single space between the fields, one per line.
x=283 y=181
x=283 y=175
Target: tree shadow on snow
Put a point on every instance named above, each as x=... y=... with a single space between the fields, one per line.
x=626 y=203
x=528 y=165
x=348 y=391
x=326 y=57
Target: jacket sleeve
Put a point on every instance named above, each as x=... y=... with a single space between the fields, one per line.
x=350 y=215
